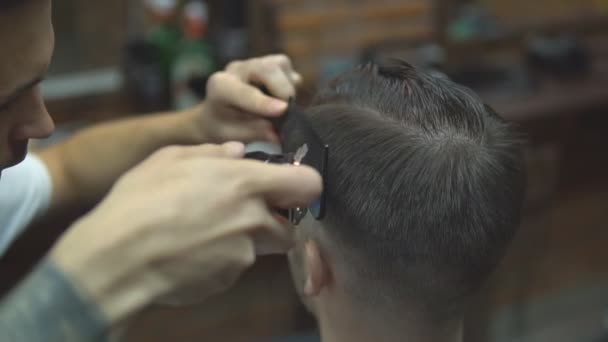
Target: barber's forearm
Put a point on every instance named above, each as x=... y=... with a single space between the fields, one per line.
x=46 y=307
x=85 y=167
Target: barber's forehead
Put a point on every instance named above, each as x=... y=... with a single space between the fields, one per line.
x=25 y=41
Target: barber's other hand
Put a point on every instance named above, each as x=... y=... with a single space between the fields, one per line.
x=236 y=109
x=185 y=217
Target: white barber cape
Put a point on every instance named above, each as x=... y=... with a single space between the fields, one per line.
x=25 y=193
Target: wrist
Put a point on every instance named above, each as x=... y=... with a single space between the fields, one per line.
x=193 y=125
x=47 y=307
x=106 y=271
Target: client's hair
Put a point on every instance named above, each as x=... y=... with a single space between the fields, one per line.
x=424 y=189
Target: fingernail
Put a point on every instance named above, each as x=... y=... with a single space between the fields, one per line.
x=277 y=106
x=296 y=77
x=234 y=149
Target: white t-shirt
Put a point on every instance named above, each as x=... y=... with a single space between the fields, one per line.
x=25 y=193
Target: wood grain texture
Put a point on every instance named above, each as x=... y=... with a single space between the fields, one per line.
x=262 y=305
x=559 y=250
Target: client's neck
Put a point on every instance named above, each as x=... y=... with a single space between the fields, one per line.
x=357 y=326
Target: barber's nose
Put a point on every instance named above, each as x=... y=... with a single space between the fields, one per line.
x=36 y=122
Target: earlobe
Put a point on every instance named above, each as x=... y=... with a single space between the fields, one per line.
x=317 y=269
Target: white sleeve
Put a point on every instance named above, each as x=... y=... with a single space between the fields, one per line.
x=25 y=193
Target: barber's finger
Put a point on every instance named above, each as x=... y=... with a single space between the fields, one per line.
x=283 y=186
x=277 y=237
x=229 y=89
x=286 y=65
x=295 y=77
x=246 y=127
x=281 y=60
x=230 y=149
x=244 y=68
x=233 y=149
x=276 y=81
x=270 y=233
x=274 y=72
x=252 y=130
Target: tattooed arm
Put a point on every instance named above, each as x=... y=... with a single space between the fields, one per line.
x=46 y=307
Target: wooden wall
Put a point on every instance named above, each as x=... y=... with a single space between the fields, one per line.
x=523 y=12
x=89 y=34
x=315 y=32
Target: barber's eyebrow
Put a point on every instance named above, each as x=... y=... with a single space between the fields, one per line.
x=20 y=90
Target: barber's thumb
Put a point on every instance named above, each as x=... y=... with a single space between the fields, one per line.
x=293 y=186
x=233 y=149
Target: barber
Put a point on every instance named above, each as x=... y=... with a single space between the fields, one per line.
x=171 y=214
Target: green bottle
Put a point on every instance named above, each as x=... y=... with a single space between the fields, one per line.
x=195 y=61
x=164 y=34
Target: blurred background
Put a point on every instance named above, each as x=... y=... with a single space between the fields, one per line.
x=542 y=64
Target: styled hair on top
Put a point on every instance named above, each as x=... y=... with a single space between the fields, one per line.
x=425 y=184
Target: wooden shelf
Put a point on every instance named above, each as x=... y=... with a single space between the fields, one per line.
x=518 y=34
x=313 y=21
x=557 y=99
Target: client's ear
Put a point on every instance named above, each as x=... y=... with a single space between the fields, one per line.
x=317 y=269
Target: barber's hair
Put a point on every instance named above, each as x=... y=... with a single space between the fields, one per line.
x=425 y=184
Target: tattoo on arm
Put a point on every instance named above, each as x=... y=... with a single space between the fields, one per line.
x=46 y=307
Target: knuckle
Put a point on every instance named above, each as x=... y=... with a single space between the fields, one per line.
x=170 y=213
x=168 y=152
x=243 y=256
x=234 y=66
x=234 y=185
x=210 y=148
x=246 y=256
x=258 y=216
x=245 y=183
x=260 y=66
x=268 y=65
x=250 y=215
x=241 y=181
x=281 y=59
x=215 y=80
x=249 y=257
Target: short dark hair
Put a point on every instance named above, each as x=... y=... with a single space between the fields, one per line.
x=425 y=183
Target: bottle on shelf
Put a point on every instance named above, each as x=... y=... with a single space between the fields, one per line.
x=149 y=54
x=195 y=60
x=163 y=32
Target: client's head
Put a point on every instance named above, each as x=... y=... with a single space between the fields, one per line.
x=424 y=193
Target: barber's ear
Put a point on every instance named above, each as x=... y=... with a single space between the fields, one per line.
x=317 y=270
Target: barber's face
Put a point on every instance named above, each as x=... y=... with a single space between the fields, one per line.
x=26 y=46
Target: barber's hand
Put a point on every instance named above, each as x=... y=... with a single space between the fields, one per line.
x=236 y=109
x=187 y=216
